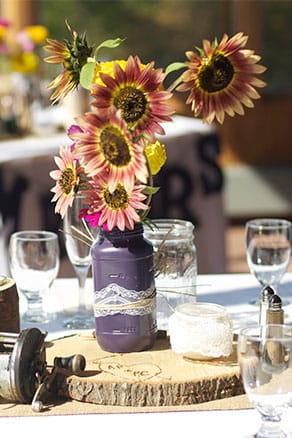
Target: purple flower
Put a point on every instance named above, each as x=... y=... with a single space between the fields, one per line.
x=25 y=42
x=92 y=219
x=4 y=22
x=73 y=129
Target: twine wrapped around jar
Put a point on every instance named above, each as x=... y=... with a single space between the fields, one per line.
x=146 y=304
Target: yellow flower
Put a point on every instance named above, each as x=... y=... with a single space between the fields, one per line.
x=3 y=31
x=37 y=33
x=106 y=68
x=26 y=62
x=156 y=156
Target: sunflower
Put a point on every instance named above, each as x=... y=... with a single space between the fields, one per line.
x=106 y=145
x=135 y=90
x=221 y=78
x=118 y=208
x=72 y=55
x=67 y=179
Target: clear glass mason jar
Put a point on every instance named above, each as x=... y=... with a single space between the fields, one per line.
x=175 y=265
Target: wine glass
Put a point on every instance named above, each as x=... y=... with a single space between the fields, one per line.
x=78 y=241
x=268 y=249
x=34 y=262
x=265 y=359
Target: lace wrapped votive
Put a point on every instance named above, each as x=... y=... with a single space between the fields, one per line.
x=201 y=331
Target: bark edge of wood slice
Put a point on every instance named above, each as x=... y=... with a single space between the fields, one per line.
x=156 y=377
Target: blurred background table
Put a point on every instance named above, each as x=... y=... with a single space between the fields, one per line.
x=191 y=187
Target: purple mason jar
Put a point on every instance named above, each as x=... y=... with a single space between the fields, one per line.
x=124 y=291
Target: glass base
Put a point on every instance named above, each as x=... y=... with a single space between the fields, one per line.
x=37 y=318
x=81 y=321
x=270 y=432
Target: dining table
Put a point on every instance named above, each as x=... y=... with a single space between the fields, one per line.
x=231 y=417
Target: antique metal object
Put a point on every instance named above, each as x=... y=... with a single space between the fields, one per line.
x=24 y=374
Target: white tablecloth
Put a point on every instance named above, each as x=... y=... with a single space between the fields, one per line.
x=234 y=291
x=231 y=290
x=200 y=424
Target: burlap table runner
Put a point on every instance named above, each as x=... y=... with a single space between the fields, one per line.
x=86 y=345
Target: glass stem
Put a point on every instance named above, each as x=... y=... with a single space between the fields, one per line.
x=35 y=311
x=81 y=272
x=271 y=427
x=34 y=306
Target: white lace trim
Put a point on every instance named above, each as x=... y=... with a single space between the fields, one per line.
x=114 y=299
x=202 y=339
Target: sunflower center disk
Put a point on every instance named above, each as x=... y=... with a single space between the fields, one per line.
x=114 y=146
x=132 y=102
x=116 y=200
x=66 y=180
x=216 y=74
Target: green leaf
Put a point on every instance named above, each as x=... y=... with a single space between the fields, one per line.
x=149 y=190
x=141 y=136
x=110 y=44
x=215 y=43
x=149 y=222
x=87 y=74
x=201 y=52
x=174 y=67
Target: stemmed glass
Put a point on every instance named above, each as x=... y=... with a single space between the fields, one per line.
x=265 y=359
x=78 y=241
x=34 y=262
x=268 y=249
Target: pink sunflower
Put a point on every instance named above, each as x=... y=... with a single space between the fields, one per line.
x=72 y=55
x=136 y=92
x=67 y=179
x=106 y=145
x=118 y=208
x=221 y=78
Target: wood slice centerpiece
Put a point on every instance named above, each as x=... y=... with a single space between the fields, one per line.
x=157 y=377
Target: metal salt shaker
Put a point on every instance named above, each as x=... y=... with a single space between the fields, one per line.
x=275 y=313
x=266 y=294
